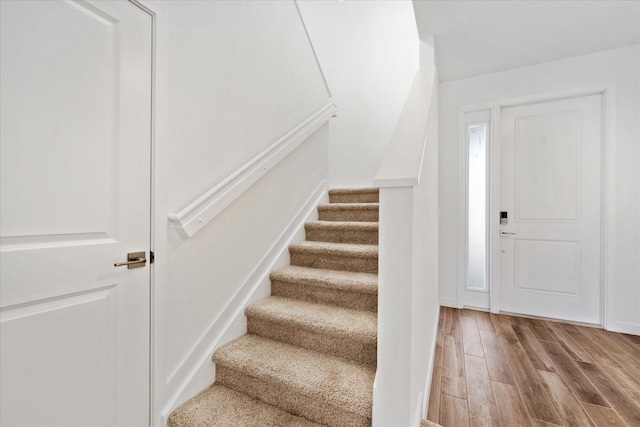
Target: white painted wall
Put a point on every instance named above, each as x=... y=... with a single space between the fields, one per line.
x=369 y=52
x=232 y=78
x=247 y=69
x=619 y=66
x=408 y=272
x=425 y=301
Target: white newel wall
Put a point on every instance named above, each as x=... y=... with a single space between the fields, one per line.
x=618 y=68
x=370 y=53
x=408 y=305
x=232 y=80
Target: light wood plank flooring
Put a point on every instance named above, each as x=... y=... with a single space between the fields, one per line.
x=498 y=370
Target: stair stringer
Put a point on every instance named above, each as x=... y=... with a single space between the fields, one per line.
x=231 y=323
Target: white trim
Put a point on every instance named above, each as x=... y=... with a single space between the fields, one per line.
x=432 y=357
x=152 y=205
x=463 y=197
x=608 y=189
x=494 y=240
x=198 y=213
x=159 y=57
x=200 y=354
x=541 y=97
x=624 y=327
x=450 y=302
x=608 y=236
x=417 y=413
x=315 y=55
x=463 y=222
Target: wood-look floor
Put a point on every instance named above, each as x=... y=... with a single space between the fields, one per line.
x=498 y=370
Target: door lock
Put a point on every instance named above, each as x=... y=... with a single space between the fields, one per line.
x=503 y=218
x=134 y=260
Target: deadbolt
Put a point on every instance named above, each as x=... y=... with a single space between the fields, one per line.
x=503 y=218
x=134 y=260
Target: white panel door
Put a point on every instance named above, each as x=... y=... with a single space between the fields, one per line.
x=75 y=109
x=550 y=188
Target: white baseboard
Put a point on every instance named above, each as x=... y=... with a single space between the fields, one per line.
x=625 y=328
x=196 y=370
x=449 y=302
x=427 y=387
x=417 y=415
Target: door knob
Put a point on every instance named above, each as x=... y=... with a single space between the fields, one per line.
x=506 y=233
x=134 y=260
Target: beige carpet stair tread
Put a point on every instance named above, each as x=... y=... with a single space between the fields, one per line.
x=339 y=249
x=338 y=191
x=357 y=232
x=328 y=329
x=335 y=256
x=342 y=225
x=349 y=207
x=218 y=406
x=354 y=195
x=341 y=322
x=358 y=291
x=356 y=212
x=343 y=280
x=339 y=382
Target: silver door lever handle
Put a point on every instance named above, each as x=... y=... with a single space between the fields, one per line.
x=134 y=260
x=506 y=233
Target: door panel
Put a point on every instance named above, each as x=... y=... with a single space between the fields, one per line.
x=75 y=188
x=47 y=332
x=547 y=153
x=53 y=81
x=547 y=266
x=550 y=187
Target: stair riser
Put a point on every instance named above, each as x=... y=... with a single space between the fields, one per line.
x=289 y=400
x=354 y=198
x=363 y=237
x=356 y=215
x=335 y=262
x=338 y=297
x=291 y=333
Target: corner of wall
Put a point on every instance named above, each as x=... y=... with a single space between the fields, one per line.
x=427 y=52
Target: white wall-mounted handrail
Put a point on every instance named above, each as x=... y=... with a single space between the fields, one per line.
x=193 y=217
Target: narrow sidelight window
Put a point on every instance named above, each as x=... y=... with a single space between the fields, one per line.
x=477 y=203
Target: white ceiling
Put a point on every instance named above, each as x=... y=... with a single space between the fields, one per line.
x=479 y=37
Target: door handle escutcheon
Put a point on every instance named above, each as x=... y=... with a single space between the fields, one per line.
x=134 y=260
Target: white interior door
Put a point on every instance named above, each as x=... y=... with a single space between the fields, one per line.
x=550 y=188
x=75 y=199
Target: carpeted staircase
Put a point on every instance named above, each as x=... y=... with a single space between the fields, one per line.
x=309 y=357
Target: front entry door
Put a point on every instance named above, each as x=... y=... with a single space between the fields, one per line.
x=75 y=181
x=550 y=193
